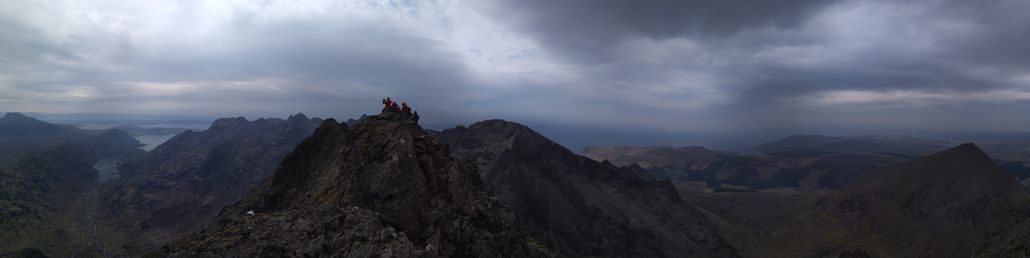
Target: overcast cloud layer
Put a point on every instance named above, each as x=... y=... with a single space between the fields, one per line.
x=663 y=65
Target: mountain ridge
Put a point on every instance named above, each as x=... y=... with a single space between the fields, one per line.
x=180 y=185
x=384 y=175
x=579 y=206
x=956 y=190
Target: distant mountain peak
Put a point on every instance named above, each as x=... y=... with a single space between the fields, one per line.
x=20 y=126
x=16 y=115
x=964 y=164
x=228 y=122
x=501 y=124
x=298 y=116
x=955 y=190
x=965 y=150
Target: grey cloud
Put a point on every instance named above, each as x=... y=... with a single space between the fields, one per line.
x=663 y=65
x=972 y=47
x=586 y=29
x=321 y=65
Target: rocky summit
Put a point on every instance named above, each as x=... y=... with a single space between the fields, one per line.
x=382 y=188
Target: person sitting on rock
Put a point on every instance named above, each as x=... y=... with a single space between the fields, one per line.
x=388 y=104
x=405 y=109
x=414 y=117
x=394 y=108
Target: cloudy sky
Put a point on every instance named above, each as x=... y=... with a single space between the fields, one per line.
x=662 y=66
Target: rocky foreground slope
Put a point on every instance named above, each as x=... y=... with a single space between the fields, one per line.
x=379 y=188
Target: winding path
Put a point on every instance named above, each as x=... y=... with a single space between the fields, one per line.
x=94 y=241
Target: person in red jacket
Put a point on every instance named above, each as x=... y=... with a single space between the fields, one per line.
x=387 y=105
x=405 y=109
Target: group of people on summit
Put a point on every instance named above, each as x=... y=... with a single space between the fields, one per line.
x=389 y=106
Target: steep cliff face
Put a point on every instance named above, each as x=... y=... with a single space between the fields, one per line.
x=946 y=204
x=182 y=184
x=380 y=188
x=579 y=206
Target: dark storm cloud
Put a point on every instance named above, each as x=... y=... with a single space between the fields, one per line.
x=941 y=47
x=585 y=29
x=779 y=52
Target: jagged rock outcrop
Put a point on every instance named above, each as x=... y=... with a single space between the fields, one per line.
x=181 y=185
x=380 y=188
x=943 y=205
x=579 y=206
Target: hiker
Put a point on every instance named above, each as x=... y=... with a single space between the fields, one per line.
x=414 y=117
x=393 y=107
x=405 y=109
x=388 y=104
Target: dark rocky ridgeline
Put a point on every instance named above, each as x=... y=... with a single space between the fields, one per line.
x=19 y=126
x=579 y=206
x=944 y=205
x=21 y=135
x=182 y=184
x=380 y=188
